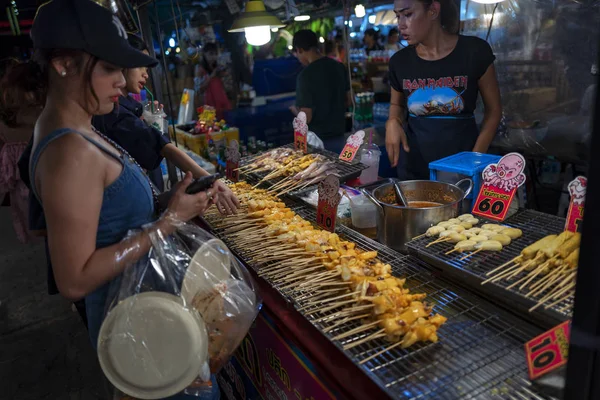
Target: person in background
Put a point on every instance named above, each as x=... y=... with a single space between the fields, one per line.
x=208 y=80
x=371 y=41
x=331 y=50
x=322 y=91
x=21 y=101
x=146 y=144
x=90 y=191
x=435 y=83
x=392 y=40
x=341 y=50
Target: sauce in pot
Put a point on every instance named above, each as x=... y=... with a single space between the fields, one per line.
x=423 y=204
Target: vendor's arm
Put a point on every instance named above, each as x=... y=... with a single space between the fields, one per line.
x=71 y=188
x=394 y=127
x=490 y=94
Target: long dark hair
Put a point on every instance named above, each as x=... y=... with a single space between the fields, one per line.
x=25 y=84
x=449 y=14
x=137 y=42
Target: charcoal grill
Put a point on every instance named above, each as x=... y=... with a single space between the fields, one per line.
x=480 y=350
x=472 y=271
x=347 y=171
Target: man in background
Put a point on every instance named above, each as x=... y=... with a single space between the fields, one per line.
x=322 y=91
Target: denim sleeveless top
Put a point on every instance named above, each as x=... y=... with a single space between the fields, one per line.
x=127 y=204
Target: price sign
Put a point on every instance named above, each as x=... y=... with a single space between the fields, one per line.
x=329 y=199
x=232 y=155
x=548 y=351
x=301 y=132
x=577 y=189
x=500 y=183
x=300 y=142
x=353 y=143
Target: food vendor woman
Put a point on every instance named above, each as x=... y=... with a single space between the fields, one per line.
x=435 y=82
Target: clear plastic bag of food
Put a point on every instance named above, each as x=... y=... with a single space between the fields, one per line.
x=176 y=317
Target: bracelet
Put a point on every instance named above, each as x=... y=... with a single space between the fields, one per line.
x=395 y=104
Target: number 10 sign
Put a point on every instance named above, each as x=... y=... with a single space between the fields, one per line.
x=500 y=183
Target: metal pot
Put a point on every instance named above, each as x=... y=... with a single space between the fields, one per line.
x=397 y=225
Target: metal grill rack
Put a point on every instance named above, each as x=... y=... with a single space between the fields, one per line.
x=472 y=271
x=480 y=350
x=347 y=171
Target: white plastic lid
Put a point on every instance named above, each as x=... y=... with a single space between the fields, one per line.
x=210 y=266
x=150 y=346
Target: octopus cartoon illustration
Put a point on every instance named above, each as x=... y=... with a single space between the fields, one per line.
x=356 y=140
x=507 y=174
x=577 y=189
x=329 y=190
x=300 y=124
x=232 y=152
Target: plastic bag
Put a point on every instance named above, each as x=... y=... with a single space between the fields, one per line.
x=313 y=140
x=177 y=316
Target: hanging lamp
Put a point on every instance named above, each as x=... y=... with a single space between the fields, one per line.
x=256 y=23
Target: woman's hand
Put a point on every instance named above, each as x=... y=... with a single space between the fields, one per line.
x=394 y=137
x=228 y=203
x=184 y=207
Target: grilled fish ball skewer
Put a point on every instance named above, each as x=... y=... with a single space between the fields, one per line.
x=445 y=224
x=454 y=220
x=456 y=237
x=489 y=245
x=503 y=239
x=475 y=231
x=465 y=245
x=466 y=224
x=434 y=231
x=465 y=217
x=456 y=228
x=479 y=238
x=472 y=221
x=493 y=227
x=487 y=232
x=512 y=233
x=573 y=259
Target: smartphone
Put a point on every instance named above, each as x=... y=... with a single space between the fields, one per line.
x=200 y=184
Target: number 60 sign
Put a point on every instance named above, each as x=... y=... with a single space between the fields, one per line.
x=500 y=183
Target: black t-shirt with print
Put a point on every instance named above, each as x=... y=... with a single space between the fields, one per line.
x=440 y=98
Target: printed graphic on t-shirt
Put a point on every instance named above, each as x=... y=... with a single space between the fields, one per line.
x=442 y=97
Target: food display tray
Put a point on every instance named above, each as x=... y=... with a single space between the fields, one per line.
x=479 y=354
x=346 y=171
x=472 y=271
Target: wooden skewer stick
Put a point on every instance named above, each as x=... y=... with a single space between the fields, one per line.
x=393 y=346
x=551 y=296
x=548 y=277
x=553 y=278
x=513 y=261
x=470 y=254
x=354 y=331
x=497 y=277
x=356 y=293
x=376 y=335
x=442 y=240
x=526 y=279
x=347 y=311
x=565 y=297
x=345 y=320
x=333 y=307
x=451 y=251
x=419 y=237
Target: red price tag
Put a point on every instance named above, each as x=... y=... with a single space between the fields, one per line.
x=348 y=153
x=500 y=183
x=232 y=172
x=300 y=142
x=329 y=199
x=493 y=202
x=326 y=215
x=577 y=189
x=548 y=351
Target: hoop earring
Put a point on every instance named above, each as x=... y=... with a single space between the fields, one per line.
x=63 y=73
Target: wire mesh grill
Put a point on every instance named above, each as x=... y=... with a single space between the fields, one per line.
x=535 y=225
x=480 y=349
x=346 y=171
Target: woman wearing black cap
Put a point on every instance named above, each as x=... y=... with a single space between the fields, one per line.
x=146 y=144
x=91 y=191
x=436 y=81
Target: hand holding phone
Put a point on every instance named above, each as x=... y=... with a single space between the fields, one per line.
x=203 y=183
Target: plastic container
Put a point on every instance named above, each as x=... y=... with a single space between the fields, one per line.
x=369 y=156
x=364 y=216
x=467 y=164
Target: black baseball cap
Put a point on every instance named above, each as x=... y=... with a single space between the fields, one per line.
x=87 y=26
